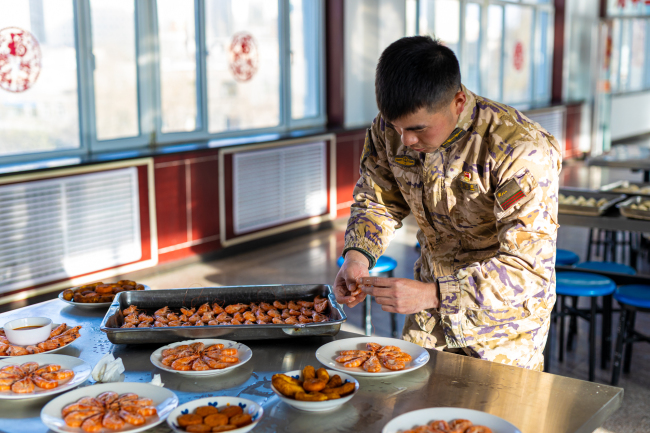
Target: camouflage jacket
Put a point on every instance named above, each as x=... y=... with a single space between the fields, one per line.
x=486 y=206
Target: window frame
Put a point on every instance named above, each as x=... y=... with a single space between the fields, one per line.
x=148 y=82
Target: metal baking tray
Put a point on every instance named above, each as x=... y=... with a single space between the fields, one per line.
x=193 y=297
x=612 y=199
x=628 y=212
x=622 y=186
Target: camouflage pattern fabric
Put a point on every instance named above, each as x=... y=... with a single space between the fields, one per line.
x=486 y=206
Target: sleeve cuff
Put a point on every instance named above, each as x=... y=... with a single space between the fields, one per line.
x=371 y=260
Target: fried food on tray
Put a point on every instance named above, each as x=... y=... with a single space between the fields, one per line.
x=197 y=357
x=316 y=385
x=291 y=312
x=26 y=378
x=371 y=360
x=99 y=292
x=108 y=410
x=441 y=426
x=59 y=337
x=211 y=419
x=581 y=201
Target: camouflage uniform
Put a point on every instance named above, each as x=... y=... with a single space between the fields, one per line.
x=486 y=206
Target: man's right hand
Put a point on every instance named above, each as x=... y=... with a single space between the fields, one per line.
x=345 y=286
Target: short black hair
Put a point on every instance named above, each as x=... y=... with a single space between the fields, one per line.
x=415 y=72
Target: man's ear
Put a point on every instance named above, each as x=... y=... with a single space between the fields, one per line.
x=459 y=102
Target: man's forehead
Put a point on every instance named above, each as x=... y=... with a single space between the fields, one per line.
x=417 y=120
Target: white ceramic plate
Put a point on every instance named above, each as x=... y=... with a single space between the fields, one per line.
x=318 y=406
x=163 y=399
x=424 y=416
x=328 y=353
x=54 y=325
x=81 y=372
x=243 y=352
x=249 y=406
x=91 y=305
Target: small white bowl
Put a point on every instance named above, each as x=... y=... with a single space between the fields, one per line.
x=249 y=406
x=318 y=406
x=27 y=337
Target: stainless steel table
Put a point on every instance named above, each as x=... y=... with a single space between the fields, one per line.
x=611 y=221
x=535 y=402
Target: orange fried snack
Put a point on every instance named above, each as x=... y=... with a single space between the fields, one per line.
x=210 y=419
x=317 y=385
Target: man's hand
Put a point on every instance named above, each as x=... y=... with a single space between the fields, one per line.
x=401 y=295
x=354 y=267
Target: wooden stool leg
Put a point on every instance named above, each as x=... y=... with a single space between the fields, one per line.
x=561 y=316
x=592 y=338
x=618 y=351
x=367 y=318
x=606 y=349
x=631 y=318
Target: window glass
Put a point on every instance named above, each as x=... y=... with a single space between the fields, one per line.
x=472 y=45
x=243 y=67
x=624 y=59
x=492 y=81
x=518 y=50
x=177 y=48
x=304 y=16
x=637 y=54
x=543 y=56
x=447 y=23
x=116 y=96
x=38 y=107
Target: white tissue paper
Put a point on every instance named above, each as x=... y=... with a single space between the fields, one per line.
x=156 y=381
x=108 y=369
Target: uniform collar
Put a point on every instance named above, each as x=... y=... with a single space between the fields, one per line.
x=465 y=120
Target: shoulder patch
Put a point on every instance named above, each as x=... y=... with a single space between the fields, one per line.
x=405 y=160
x=509 y=194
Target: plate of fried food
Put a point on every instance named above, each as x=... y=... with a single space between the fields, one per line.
x=372 y=356
x=314 y=390
x=449 y=419
x=60 y=337
x=119 y=406
x=40 y=375
x=204 y=357
x=98 y=295
x=234 y=414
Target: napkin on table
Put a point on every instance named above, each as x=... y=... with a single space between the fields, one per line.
x=108 y=369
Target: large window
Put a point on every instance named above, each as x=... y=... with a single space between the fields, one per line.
x=117 y=74
x=504 y=48
x=38 y=77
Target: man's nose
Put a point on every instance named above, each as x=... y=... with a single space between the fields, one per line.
x=408 y=138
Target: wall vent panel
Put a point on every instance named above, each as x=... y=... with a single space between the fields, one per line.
x=276 y=186
x=553 y=120
x=65 y=227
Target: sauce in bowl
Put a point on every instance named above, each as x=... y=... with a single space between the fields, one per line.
x=24 y=328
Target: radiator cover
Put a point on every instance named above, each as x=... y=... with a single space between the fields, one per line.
x=60 y=228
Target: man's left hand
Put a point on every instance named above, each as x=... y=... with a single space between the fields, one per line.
x=401 y=295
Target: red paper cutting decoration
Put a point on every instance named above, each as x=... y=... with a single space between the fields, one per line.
x=244 y=57
x=518 y=58
x=20 y=59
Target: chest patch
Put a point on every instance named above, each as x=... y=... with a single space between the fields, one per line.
x=405 y=161
x=509 y=194
x=467 y=186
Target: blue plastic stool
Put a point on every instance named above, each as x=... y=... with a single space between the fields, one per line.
x=566 y=257
x=582 y=284
x=606 y=310
x=633 y=298
x=385 y=266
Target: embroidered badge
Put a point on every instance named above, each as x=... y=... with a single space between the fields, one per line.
x=467 y=175
x=509 y=194
x=469 y=186
x=405 y=161
x=456 y=135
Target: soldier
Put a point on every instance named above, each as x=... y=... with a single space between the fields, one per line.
x=481 y=180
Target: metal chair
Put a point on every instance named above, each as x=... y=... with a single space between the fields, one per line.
x=384 y=267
